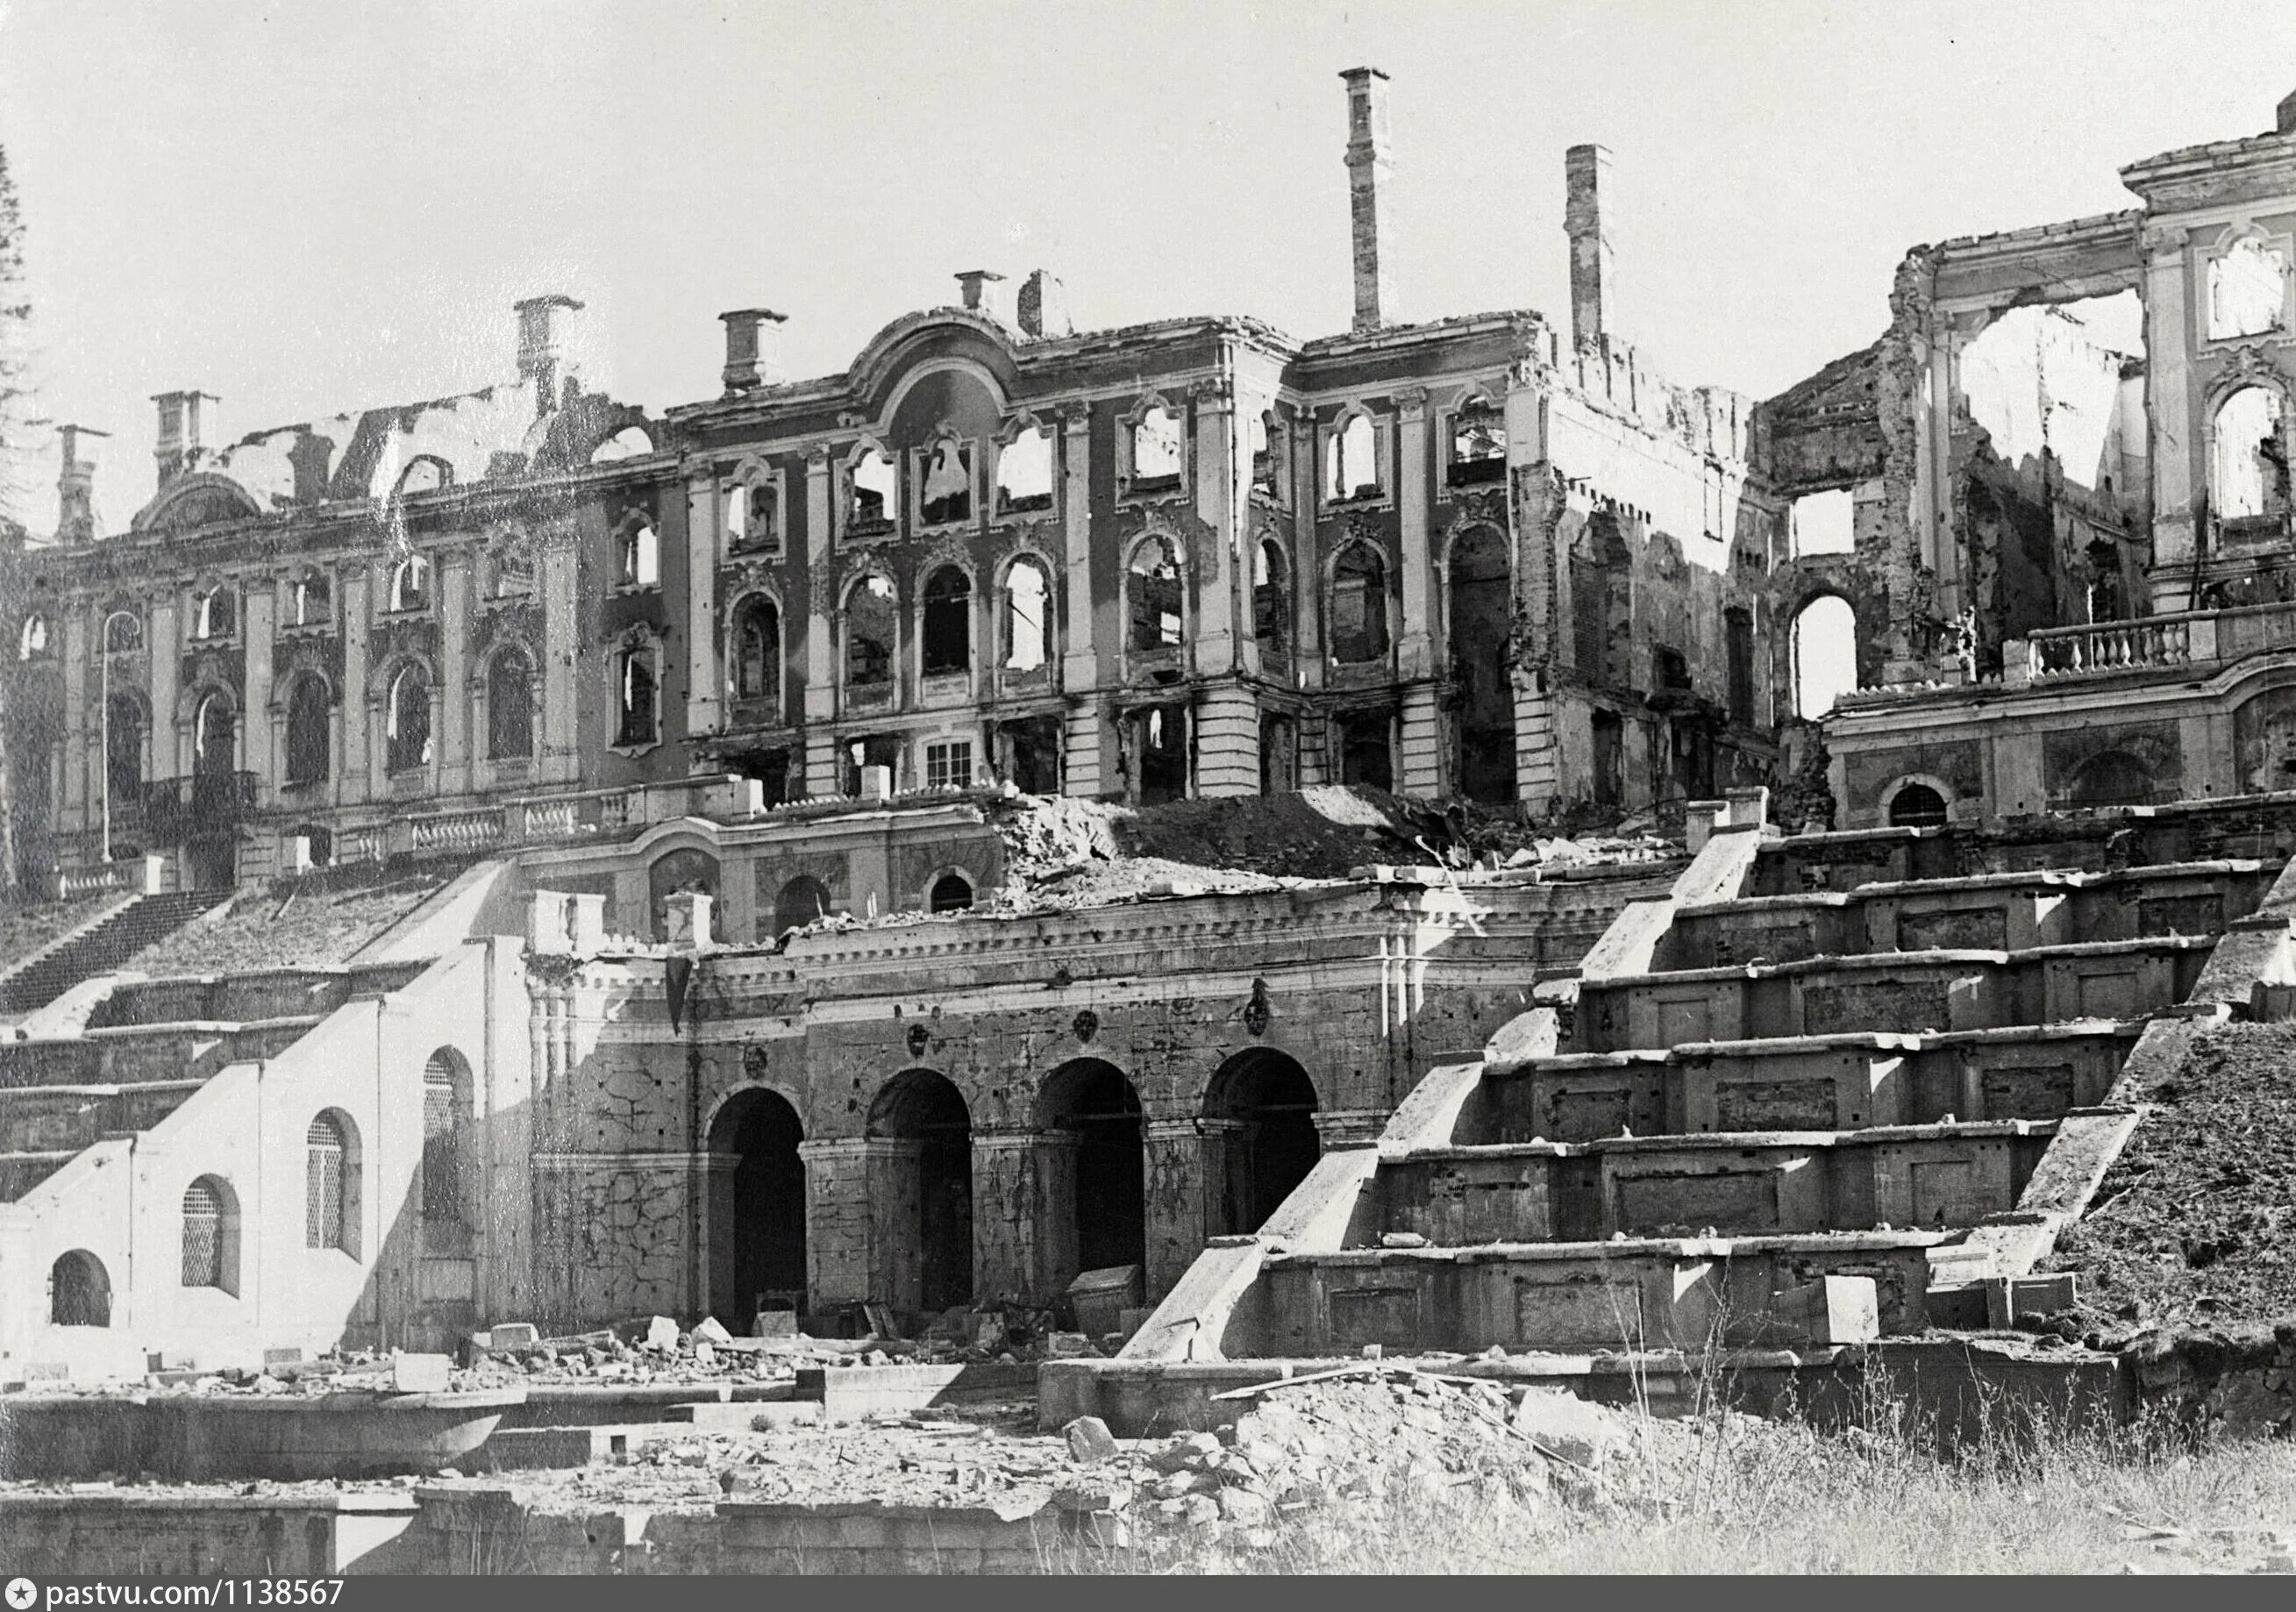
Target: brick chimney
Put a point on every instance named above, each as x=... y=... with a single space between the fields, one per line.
x=187 y=428
x=543 y=324
x=1043 y=308
x=2285 y=120
x=1593 y=266
x=76 y=521
x=753 y=349
x=1371 y=169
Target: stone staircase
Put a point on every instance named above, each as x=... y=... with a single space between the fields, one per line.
x=109 y=945
x=1830 y=1089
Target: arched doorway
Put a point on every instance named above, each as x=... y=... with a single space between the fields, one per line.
x=1480 y=617
x=1093 y=1107
x=756 y=1222
x=1823 y=641
x=79 y=1292
x=923 y=1190
x=1261 y=1107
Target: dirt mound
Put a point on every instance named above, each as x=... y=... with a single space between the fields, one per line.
x=2198 y=1216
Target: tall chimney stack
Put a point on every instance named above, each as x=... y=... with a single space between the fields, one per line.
x=543 y=324
x=1593 y=266
x=1044 y=306
x=76 y=515
x=985 y=291
x=753 y=349
x=187 y=421
x=1369 y=167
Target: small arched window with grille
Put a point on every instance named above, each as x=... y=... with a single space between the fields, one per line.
x=446 y=1115
x=331 y=1183
x=211 y=1235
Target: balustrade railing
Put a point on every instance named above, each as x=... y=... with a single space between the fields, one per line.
x=2111 y=646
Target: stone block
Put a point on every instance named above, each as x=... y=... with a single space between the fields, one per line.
x=282 y=1357
x=774 y=1323
x=1090 y=1442
x=710 y=1329
x=1067 y=1345
x=1567 y=1425
x=1831 y=1310
x=661 y=1333
x=513 y=1335
x=421 y=1373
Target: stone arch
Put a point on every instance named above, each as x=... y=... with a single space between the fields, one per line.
x=684 y=868
x=921 y=1132
x=1917 y=800
x=1025 y=612
x=1822 y=638
x=950 y=890
x=331 y=1182
x=802 y=901
x=1259 y=1114
x=80 y=1290
x=757 y=1236
x=2110 y=777
x=1095 y=1180
x=754 y=649
x=1357 y=603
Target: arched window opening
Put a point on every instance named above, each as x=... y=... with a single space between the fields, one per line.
x=123 y=631
x=1358 y=605
x=803 y=900
x=1917 y=806
x=1024 y=473
x=2251 y=460
x=946 y=495
x=214 y=613
x=448 y=1114
x=1028 y=596
x=32 y=642
x=1160 y=743
x=631 y=442
x=641 y=556
x=331 y=1183
x=756 y=1209
x=1091 y=1104
x=2248 y=290
x=1353 y=470
x=1825 y=647
x=213 y=737
x=410 y=584
x=312 y=602
x=758 y=651
x=1479 y=444
x=870 y=628
x=1669 y=670
x=510 y=707
x=752 y=516
x=308 y=721
x=1263 y=1106
x=406 y=723
x=635 y=687
x=1481 y=620
x=1271 y=599
x=1159 y=621
x=952 y=893
x=949 y=622
x=124 y=751
x=870 y=486
x=79 y=1292
x=1266 y=435
x=1156 y=456
x=424 y=475
x=924 y=1179
x=211 y=1235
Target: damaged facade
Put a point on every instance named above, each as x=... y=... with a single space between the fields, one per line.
x=678 y=684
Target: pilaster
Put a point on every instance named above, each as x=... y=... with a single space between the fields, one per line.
x=1173 y=1165
x=837 y=1220
x=562 y=672
x=164 y=642
x=258 y=610
x=705 y=683
x=453 y=714
x=1007 y=1206
x=820 y=629
x=1415 y=649
x=1081 y=672
x=358 y=585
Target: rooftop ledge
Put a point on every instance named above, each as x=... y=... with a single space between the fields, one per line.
x=1629 y=1247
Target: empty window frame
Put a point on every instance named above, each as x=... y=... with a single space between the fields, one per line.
x=1358 y=605
x=870 y=625
x=2247 y=289
x=406 y=720
x=1024 y=473
x=1157 y=455
x=123 y=631
x=1158 y=615
x=1479 y=444
x=1027 y=602
x=752 y=507
x=1351 y=460
x=944 y=494
x=32 y=640
x=948 y=626
x=311 y=601
x=870 y=486
x=410 y=584
x=638 y=561
x=1271 y=599
x=2250 y=457
x=214 y=613
x=510 y=706
x=758 y=651
x=637 y=708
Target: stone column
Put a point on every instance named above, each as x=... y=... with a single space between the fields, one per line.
x=454 y=746
x=169 y=742
x=2178 y=463
x=837 y=1220
x=1007 y=1206
x=1172 y=1162
x=820 y=627
x=1421 y=764
x=561 y=669
x=83 y=689
x=705 y=680
x=1087 y=772
x=358 y=584
x=258 y=612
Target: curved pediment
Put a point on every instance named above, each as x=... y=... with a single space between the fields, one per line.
x=198 y=500
x=938 y=339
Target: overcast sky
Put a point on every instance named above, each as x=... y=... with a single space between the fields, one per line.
x=309 y=208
